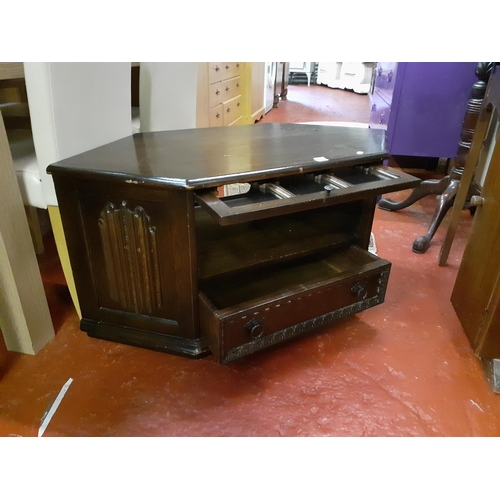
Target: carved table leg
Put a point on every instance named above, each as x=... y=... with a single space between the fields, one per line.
x=430 y=186
x=421 y=244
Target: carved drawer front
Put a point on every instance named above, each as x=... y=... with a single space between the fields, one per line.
x=246 y=313
x=232 y=110
x=217 y=116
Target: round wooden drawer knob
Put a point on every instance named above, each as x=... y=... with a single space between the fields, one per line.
x=255 y=328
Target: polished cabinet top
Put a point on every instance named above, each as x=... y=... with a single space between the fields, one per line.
x=207 y=157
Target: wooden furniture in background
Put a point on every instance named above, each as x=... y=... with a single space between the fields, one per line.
x=476 y=294
x=13 y=99
x=447 y=187
x=281 y=82
x=135 y=77
x=11 y=70
x=25 y=320
x=224 y=94
x=161 y=261
x=471 y=172
x=15 y=111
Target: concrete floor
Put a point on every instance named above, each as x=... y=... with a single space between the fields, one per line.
x=403 y=368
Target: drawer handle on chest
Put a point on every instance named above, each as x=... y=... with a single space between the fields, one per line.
x=227 y=66
x=360 y=291
x=227 y=88
x=255 y=327
x=217 y=68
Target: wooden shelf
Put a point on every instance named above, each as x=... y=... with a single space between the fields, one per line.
x=285 y=279
x=226 y=249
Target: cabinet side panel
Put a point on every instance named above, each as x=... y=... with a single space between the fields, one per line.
x=139 y=261
x=78 y=248
x=185 y=262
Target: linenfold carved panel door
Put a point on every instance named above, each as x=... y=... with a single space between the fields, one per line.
x=136 y=248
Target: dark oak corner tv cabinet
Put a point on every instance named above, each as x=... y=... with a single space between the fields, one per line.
x=162 y=261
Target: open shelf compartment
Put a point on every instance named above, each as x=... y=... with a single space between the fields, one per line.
x=253 y=244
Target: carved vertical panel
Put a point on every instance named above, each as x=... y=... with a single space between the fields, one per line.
x=130 y=249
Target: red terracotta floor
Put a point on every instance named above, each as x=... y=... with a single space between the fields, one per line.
x=320 y=103
x=403 y=368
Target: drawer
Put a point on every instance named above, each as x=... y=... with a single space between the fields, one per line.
x=215 y=70
x=216 y=94
x=217 y=116
x=294 y=193
x=232 y=110
x=231 y=69
x=231 y=88
x=242 y=314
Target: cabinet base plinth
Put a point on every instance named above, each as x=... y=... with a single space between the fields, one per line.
x=189 y=348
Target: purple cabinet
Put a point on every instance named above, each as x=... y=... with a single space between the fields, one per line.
x=422 y=106
x=381 y=96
